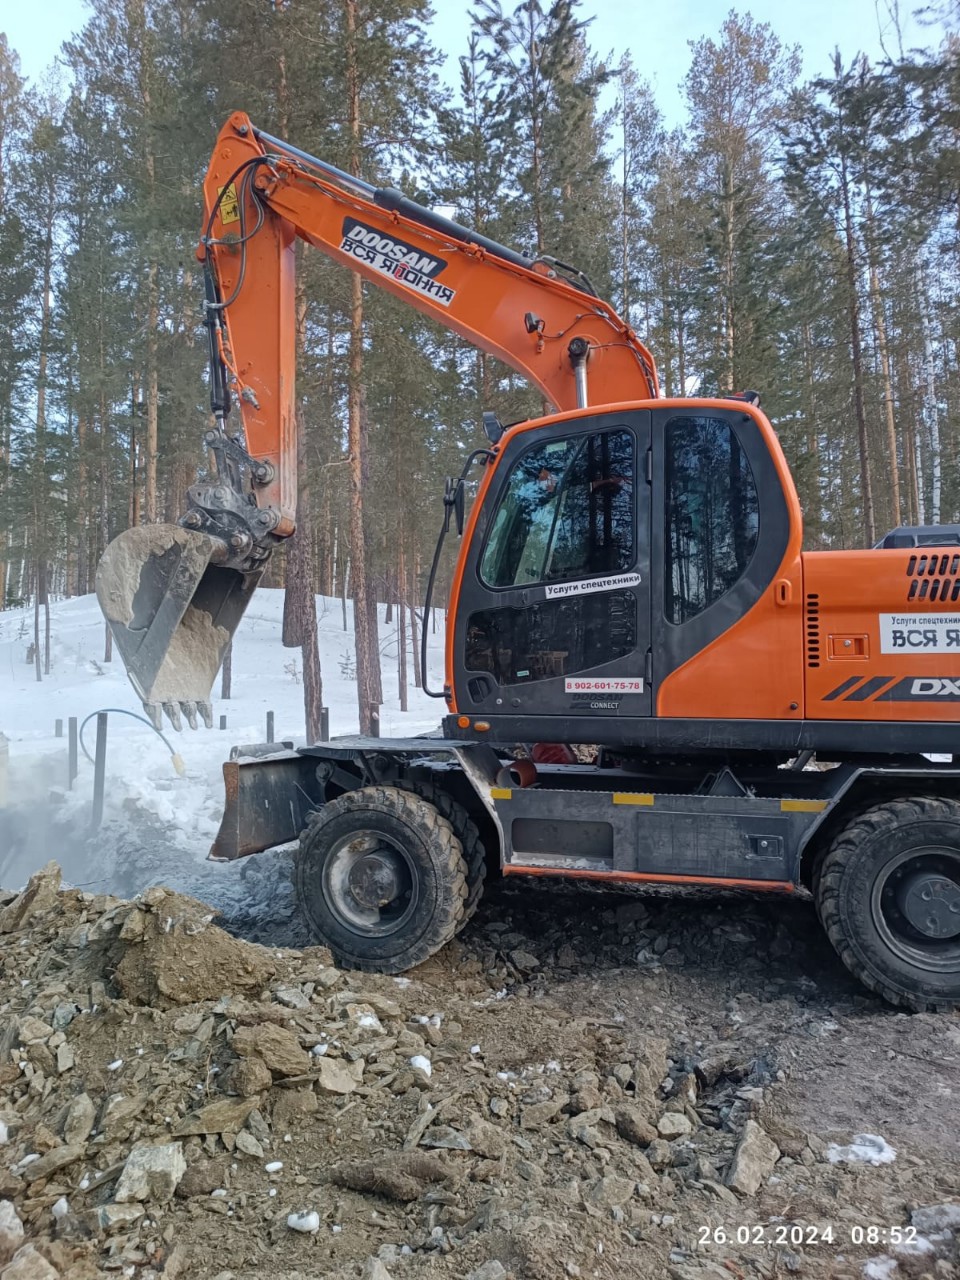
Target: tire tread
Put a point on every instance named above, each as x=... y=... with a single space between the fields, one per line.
x=420 y=814
x=829 y=885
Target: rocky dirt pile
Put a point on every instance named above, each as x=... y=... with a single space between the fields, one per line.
x=559 y=1094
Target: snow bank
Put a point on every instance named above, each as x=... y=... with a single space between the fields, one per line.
x=147 y=802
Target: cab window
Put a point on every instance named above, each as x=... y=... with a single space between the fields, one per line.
x=567 y=512
x=712 y=514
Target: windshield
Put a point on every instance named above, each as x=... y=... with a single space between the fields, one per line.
x=567 y=512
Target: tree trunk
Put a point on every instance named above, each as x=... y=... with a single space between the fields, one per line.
x=40 y=494
x=414 y=635
x=367 y=648
x=46 y=620
x=880 y=324
x=306 y=623
x=856 y=345
x=931 y=416
x=401 y=625
x=729 y=248
x=36 y=624
x=153 y=397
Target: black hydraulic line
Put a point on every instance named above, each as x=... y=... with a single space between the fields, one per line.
x=427 y=601
x=396 y=202
x=450 y=500
x=357 y=185
x=119 y=711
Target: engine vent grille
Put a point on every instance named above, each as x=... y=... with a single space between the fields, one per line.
x=813 y=629
x=934 y=577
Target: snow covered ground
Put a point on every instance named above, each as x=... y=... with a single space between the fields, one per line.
x=158 y=826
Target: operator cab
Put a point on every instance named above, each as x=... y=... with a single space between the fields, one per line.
x=608 y=549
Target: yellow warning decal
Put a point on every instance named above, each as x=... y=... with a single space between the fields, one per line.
x=229 y=204
x=501 y=793
x=803 y=806
x=632 y=797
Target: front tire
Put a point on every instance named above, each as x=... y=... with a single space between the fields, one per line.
x=381 y=879
x=467 y=832
x=888 y=896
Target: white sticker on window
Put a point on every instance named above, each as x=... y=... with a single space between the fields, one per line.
x=920 y=633
x=599 y=684
x=593 y=584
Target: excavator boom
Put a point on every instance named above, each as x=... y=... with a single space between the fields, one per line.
x=174 y=594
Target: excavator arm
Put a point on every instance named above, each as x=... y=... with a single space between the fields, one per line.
x=174 y=595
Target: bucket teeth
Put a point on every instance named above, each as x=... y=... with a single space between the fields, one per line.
x=206 y=713
x=154 y=713
x=173 y=714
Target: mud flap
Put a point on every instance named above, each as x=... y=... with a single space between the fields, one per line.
x=267 y=803
x=173 y=611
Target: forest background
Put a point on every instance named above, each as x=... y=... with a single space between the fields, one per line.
x=799 y=238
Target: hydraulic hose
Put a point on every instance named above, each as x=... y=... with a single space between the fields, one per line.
x=175 y=756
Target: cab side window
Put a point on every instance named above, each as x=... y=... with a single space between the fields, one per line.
x=712 y=514
x=567 y=513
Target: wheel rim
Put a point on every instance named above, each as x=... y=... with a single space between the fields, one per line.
x=915 y=905
x=370 y=884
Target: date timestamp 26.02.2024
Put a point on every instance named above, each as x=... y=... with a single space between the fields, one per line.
x=805 y=1234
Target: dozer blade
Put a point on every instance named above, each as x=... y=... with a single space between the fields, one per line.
x=172 y=610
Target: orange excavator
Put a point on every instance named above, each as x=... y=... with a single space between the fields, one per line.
x=630 y=577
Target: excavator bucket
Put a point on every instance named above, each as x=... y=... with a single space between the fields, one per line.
x=173 y=610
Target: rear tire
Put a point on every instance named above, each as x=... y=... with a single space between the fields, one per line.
x=381 y=879
x=888 y=895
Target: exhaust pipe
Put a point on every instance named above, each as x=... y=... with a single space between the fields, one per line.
x=173 y=607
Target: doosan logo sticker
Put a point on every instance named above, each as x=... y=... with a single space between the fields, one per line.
x=593 y=584
x=396 y=258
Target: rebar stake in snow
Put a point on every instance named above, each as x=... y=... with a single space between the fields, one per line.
x=99 y=769
x=72 y=759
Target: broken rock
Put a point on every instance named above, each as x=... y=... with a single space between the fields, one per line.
x=673 y=1124
x=114 y=1217
x=609 y=1192
x=633 y=1126
x=151 y=1173
x=753 y=1160
x=248 y=1144
x=277 y=1047
x=492 y=1270
x=39 y=895
x=28 y=1264
x=228 y=1116
x=56 y=1159
x=373 y=1269
x=250 y=1076
x=11 y=1231
x=338 y=1077
x=79 y=1120
x=485 y=1138
x=175 y=955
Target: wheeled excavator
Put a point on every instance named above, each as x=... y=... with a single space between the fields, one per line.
x=630 y=576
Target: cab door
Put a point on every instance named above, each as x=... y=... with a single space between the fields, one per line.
x=553 y=616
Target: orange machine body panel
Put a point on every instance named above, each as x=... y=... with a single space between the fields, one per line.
x=754 y=671
x=883 y=634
